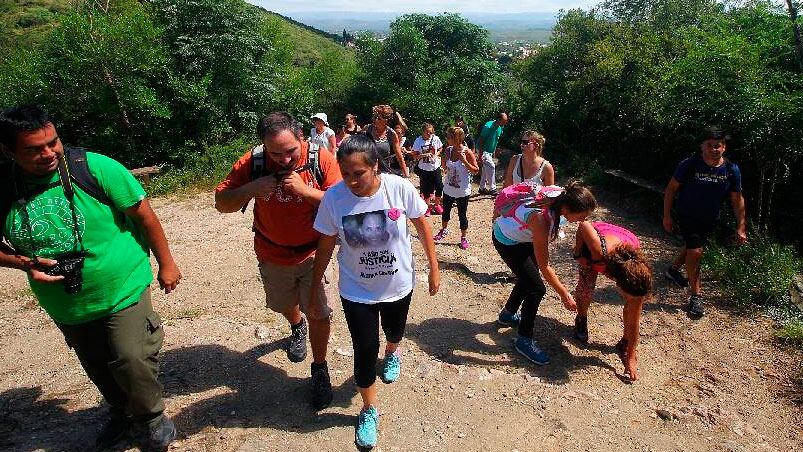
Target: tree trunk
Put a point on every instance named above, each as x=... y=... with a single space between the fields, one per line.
x=775 y=177
x=796 y=31
x=762 y=171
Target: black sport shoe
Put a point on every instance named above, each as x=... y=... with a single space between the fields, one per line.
x=115 y=429
x=695 y=308
x=297 y=342
x=160 y=435
x=320 y=386
x=676 y=277
x=581 y=328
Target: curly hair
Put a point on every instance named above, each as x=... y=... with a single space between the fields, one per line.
x=630 y=269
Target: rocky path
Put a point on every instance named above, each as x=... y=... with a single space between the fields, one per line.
x=719 y=383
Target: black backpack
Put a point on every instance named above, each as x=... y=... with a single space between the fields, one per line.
x=73 y=169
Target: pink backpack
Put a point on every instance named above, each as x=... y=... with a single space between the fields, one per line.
x=514 y=196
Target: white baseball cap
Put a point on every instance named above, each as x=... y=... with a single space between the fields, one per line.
x=322 y=117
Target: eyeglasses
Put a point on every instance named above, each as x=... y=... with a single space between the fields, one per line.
x=526 y=142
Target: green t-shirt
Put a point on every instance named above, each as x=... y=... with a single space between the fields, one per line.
x=117 y=267
x=490 y=134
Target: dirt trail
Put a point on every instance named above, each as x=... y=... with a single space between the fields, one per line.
x=719 y=383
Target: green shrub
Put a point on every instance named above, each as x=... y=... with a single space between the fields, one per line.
x=206 y=170
x=791 y=333
x=757 y=272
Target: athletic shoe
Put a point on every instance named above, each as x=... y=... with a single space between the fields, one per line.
x=297 y=342
x=114 y=430
x=440 y=235
x=695 y=308
x=676 y=277
x=530 y=350
x=483 y=191
x=492 y=192
x=581 y=328
x=366 y=431
x=320 y=386
x=507 y=319
x=438 y=210
x=463 y=243
x=391 y=367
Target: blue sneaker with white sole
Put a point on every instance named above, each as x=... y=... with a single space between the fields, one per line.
x=366 y=432
x=528 y=348
x=391 y=367
x=507 y=319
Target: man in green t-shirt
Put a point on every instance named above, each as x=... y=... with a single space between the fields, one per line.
x=487 y=141
x=86 y=253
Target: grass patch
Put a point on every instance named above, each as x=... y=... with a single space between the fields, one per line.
x=791 y=333
x=188 y=313
x=211 y=166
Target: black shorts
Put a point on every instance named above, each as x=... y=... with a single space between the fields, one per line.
x=431 y=182
x=695 y=232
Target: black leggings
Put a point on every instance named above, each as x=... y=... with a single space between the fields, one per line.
x=363 y=321
x=462 y=210
x=529 y=289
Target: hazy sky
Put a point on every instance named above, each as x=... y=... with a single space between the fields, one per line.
x=496 y=6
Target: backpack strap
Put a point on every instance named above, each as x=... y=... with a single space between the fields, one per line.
x=521 y=167
x=313 y=159
x=77 y=169
x=257 y=162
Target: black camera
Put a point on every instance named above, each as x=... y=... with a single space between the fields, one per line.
x=69 y=265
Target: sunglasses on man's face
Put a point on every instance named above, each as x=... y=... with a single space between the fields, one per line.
x=525 y=142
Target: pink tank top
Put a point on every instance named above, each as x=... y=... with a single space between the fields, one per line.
x=624 y=236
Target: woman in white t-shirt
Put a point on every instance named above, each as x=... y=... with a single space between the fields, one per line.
x=530 y=165
x=427 y=150
x=368 y=212
x=458 y=164
x=321 y=134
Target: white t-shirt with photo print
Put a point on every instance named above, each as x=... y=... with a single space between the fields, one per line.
x=375 y=256
x=430 y=163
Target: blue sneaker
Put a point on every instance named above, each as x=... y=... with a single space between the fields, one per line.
x=529 y=350
x=367 y=425
x=508 y=319
x=391 y=367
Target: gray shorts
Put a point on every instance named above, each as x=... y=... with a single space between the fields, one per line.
x=289 y=285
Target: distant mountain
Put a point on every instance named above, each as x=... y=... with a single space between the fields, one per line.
x=535 y=27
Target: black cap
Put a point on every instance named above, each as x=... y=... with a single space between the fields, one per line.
x=714 y=133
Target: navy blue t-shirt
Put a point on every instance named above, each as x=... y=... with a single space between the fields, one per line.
x=704 y=188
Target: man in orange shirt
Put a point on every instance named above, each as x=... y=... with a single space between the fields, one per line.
x=287 y=194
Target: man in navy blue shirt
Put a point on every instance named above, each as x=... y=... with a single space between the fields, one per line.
x=697 y=190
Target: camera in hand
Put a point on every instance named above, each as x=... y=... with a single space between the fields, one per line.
x=69 y=265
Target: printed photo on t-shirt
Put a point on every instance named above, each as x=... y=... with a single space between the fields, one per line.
x=369 y=229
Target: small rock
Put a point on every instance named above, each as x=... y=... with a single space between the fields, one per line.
x=344 y=351
x=665 y=414
x=262 y=332
x=461 y=435
x=428 y=369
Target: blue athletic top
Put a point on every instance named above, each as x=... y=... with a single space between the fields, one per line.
x=704 y=188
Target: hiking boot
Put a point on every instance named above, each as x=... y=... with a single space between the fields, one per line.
x=483 y=191
x=320 y=386
x=507 y=319
x=528 y=348
x=160 y=435
x=492 y=193
x=113 y=431
x=297 y=342
x=676 y=277
x=581 y=328
x=365 y=433
x=695 y=308
x=438 y=210
x=463 y=243
x=391 y=367
x=440 y=235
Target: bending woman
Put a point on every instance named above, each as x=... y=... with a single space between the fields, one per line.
x=615 y=252
x=376 y=272
x=525 y=249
